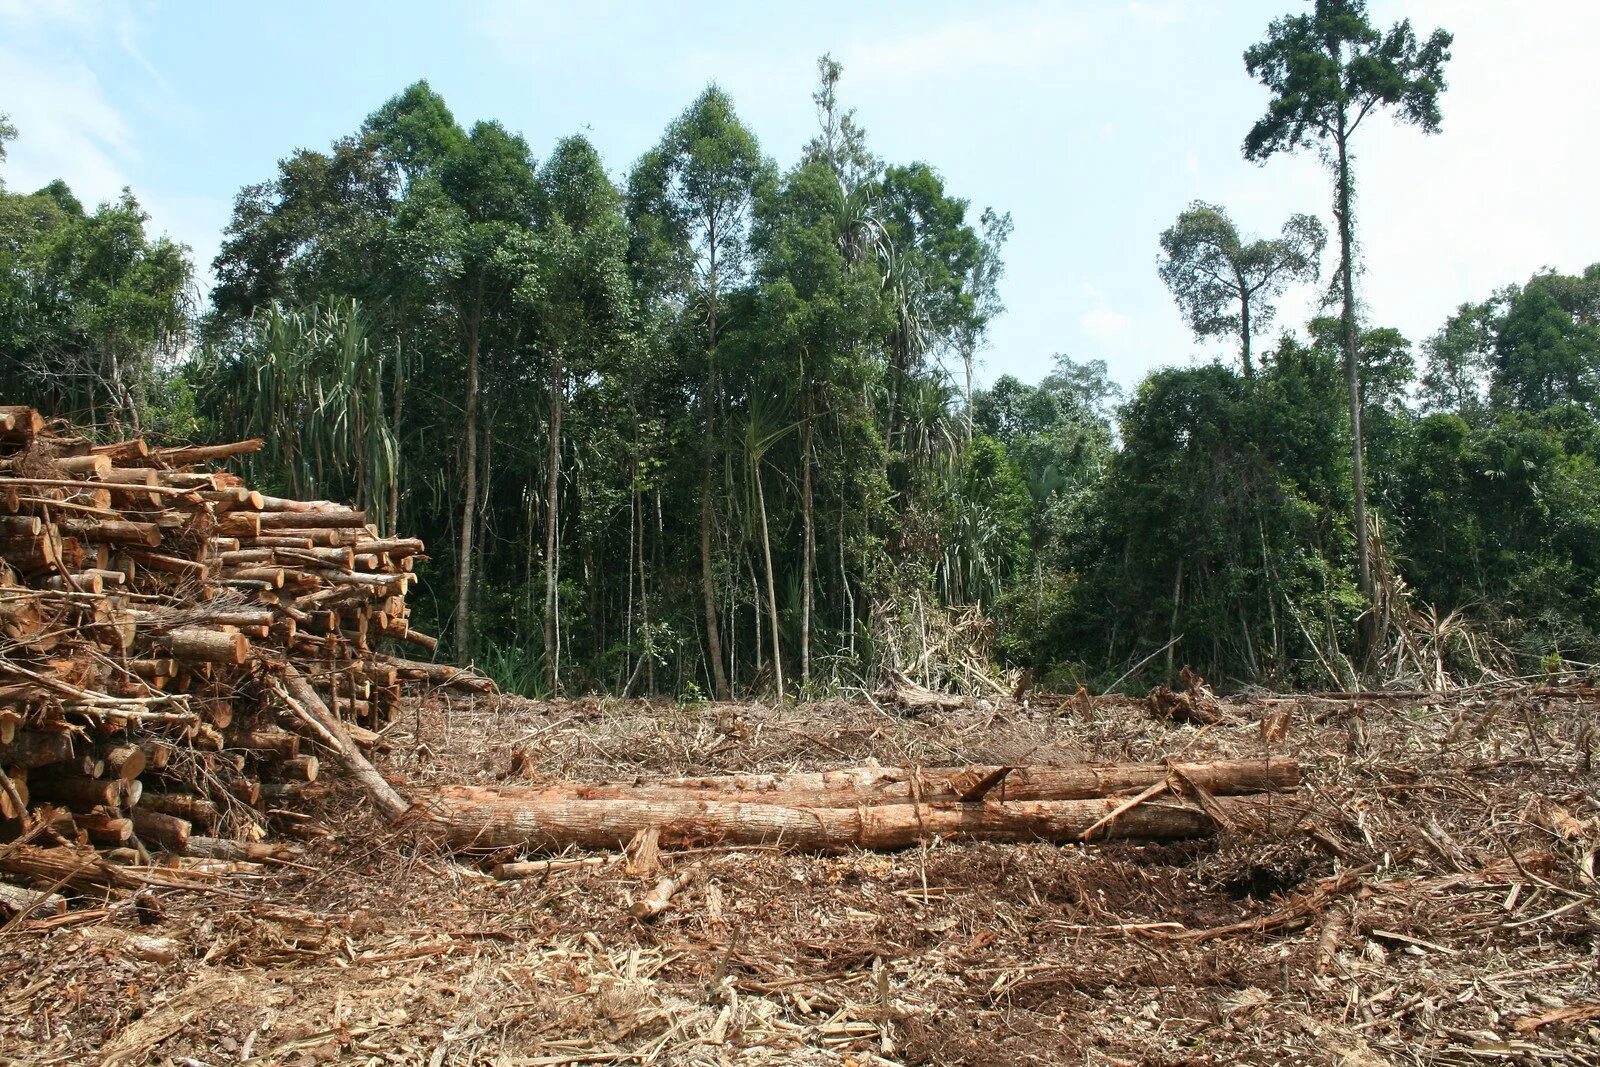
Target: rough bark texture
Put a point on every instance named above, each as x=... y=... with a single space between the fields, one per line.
x=487 y=823
x=853 y=786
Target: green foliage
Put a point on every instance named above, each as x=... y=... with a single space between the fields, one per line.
x=312 y=384
x=1504 y=518
x=93 y=311
x=1329 y=69
x=1225 y=286
x=692 y=435
x=1547 y=343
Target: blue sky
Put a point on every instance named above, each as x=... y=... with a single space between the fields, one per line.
x=1094 y=122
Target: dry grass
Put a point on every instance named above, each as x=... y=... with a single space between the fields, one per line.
x=1428 y=897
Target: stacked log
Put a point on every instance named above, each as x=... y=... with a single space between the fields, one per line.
x=157 y=619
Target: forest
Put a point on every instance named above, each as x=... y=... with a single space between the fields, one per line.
x=715 y=428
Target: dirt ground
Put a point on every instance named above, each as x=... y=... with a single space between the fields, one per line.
x=1429 y=896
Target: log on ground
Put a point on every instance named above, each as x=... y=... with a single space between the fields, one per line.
x=558 y=820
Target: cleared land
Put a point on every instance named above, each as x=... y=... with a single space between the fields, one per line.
x=1428 y=895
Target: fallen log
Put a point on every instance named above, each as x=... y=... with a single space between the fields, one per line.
x=388 y=800
x=851 y=786
x=477 y=820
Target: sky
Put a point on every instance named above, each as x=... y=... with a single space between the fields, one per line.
x=1094 y=122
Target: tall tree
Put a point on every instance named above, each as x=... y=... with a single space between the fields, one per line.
x=471 y=216
x=689 y=200
x=583 y=308
x=1225 y=286
x=983 y=282
x=1327 y=71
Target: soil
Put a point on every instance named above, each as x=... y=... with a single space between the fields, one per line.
x=1428 y=896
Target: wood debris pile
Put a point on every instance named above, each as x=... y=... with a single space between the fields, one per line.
x=176 y=648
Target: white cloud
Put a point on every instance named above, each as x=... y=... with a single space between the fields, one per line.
x=66 y=128
x=1104 y=323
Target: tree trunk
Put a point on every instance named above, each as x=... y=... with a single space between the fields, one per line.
x=966 y=362
x=809 y=548
x=469 y=494
x=708 y=584
x=1352 y=372
x=772 y=598
x=1244 y=331
x=850 y=787
x=481 y=822
x=552 y=669
x=1177 y=597
x=393 y=524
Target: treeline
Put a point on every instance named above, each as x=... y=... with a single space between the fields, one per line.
x=711 y=429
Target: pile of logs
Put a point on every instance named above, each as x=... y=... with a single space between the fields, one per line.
x=176 y=648
x=870 y=807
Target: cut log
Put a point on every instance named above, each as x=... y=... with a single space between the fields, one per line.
x=183 y=457
x=223 y=849
x=37 y=748
x=132 y=946
x=78 y=792
x=853 y=786
x=15 y=900
x=441 y=674
x=314 y=520
x=106 y=831
x=208 y=646
x=125 y=761
x=388 y=800
x=299 y=769
x=280 y=743
x=655 y=902
x=168 y=831
x=483 y=822
x=186 y=806
x=114 y=531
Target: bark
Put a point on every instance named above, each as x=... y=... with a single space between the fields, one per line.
x=484 y=824
x=1244 y=331
x=552 y=564
x=168 y=831
x=384 y=795
x=16 y=900
x=208 y=646
x=469 y=494
x=659 y=898
x=708 y=584
x=772 y=599
x=1352 y=372
x=854 y=786
x=809 y=547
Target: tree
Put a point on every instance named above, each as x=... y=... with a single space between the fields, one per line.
x=94 y=312
x=841 y=143
x=1088 y=381
x=8 y=132
x=583 y=305
x=1224 y=286
x=983 y=283
x=1547 y=343
x=1458 y=362
x=689 y=202
x=310 y=382
x=1327 y=71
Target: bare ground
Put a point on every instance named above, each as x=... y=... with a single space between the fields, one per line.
x=1428 y=897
